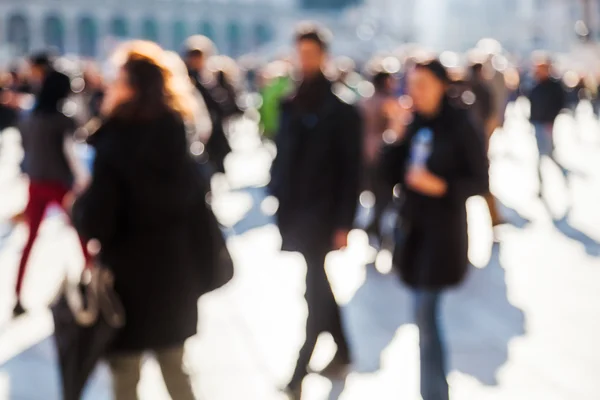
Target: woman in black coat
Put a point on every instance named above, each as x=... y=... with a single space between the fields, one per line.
x=439 y=160
x=146 y=207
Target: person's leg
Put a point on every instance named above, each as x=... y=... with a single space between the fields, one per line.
x=125 y=370
x=434 y=385
x=493 y=208
x=34 y=214
x=173 y=371
x=58 y=197
x=323 y=315
x=541 y=141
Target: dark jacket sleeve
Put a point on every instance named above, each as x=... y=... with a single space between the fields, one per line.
x=279 y=166
x=474 y=178
x=349 y=141
x=95 y=213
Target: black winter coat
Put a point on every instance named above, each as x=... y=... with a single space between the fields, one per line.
x=146 y=207
x=547 y=99
x=435 y=252
x=316 y=172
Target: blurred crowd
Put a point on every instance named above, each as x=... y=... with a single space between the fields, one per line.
x=411 y=129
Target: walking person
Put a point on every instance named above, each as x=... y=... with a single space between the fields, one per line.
x=315 y=176
x=198 y=50
x=483 y=114
x=145 y=207
x=52 y=167
x=439 y=160
x=376 y=122
x=547 y=99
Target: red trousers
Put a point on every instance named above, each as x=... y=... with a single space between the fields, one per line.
x=41 y=195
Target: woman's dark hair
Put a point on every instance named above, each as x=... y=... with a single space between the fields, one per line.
x=147 y=81
x=55 y=89
x=436 y=68
x=155 y=88
x=313 y=33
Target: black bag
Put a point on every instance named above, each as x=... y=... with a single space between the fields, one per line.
x=222 y=264
x=87 y=318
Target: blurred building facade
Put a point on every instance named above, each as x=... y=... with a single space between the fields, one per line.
x=85 y=27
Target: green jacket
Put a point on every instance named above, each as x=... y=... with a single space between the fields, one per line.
x=271 y=98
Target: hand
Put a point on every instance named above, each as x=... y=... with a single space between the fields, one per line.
x=422 y=181
x=68 y=201
x=340 y=239
x=81 y=185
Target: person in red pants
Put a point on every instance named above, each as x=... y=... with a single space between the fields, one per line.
x=47 y=139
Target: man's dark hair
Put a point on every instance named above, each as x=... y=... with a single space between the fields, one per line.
x=42 y=59
x=194 y=53
x=380 y=80
x=476 y=69
x=313 y=33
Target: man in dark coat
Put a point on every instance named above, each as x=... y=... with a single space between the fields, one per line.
x=198 y=50
x=316 y=179
x=547 y=101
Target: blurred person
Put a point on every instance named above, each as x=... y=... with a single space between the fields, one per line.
x=93 y=91
x=224 y=90
x=52 y=167
x=145 y=207
x=376 y=122
x=198 y=49
x=315 y=177
x=483 y=113
x=439 y=161
x=547 y=101
x=200 y=127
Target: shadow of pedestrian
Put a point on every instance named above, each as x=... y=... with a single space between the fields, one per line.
x=511 y=216
x=256 y=217
x=480 y=322
x=40 y=363
x=592 y=247
x=373 y=316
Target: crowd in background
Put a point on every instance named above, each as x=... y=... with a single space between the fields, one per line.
x=159 y=123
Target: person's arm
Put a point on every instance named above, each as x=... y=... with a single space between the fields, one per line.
x=80 y=172
x=95 y=212
x=474 y=179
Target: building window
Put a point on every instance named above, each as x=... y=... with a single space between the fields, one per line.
x=88 y=37
x=262 y=34
x=119 y=28
x=207 y=29
x=179 y=34
x=18 y=34
x=150 y=30
x=54 y=33
x=234 y=38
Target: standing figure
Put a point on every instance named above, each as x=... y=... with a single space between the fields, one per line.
x=145 y=207
x=377 y=121
x=483 y=114
x=198 y=49
x=315 y=176
x=547 y=101
x=439 y=160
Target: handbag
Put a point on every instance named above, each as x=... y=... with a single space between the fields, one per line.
x=87 y=318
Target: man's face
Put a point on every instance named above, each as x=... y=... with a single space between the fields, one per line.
x=37 y=74
x=311 y=57
x=542 y=72
x=426 y=90
x=196 y=62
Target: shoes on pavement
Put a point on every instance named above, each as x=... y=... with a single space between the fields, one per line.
x=336 y=370
x=293 y=392
x=18 y=310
